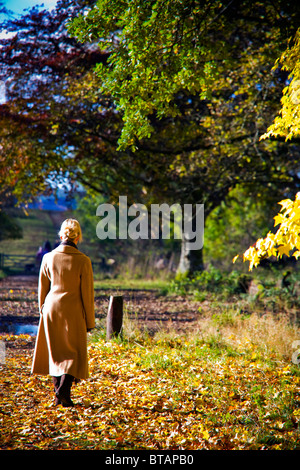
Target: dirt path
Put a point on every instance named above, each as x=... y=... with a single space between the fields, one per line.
x=20 y=282
x=144 y=308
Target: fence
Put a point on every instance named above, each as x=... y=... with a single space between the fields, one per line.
x=29 y=263
x=26 y=263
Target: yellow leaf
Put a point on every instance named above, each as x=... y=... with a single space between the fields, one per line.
x=286 y=204
x=284 y=250
x=235 y=258
x=279 y=219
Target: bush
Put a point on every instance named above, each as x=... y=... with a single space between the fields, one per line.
x=211 y=280
x=276 y=290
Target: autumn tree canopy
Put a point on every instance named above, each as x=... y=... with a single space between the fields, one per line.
x=160 y=49
x=162 y=101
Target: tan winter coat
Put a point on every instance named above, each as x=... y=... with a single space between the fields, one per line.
x=66 y=303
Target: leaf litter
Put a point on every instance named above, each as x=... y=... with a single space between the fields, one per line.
x=174 y=391
x=152 y=394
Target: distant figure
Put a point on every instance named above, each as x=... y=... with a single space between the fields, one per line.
x=47 y=247
x=39 y=256
x=66 y=303
x=42 y=251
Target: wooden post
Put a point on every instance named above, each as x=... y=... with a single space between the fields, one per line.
x=114 y=316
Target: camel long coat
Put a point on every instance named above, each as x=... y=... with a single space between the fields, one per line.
x=66 y=304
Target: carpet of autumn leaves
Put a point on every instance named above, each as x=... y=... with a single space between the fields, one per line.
x=177 y=392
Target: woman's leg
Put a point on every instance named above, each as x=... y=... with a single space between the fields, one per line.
x=56 y=383
x=63 y=391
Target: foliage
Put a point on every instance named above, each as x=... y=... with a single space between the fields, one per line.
x=287 y=124
x=150 y=42
x=212 y=280
x=44 y=122
x=161 y=49
x=194 y=76
x=73 y=126
x=196 y=73
x=169 y=393
x=272 y=289
x=238 y=221
x=8 y=227
x=284 y=241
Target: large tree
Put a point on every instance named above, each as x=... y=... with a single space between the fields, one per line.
x=181 y=92
x=193 y=82
x=39 y=64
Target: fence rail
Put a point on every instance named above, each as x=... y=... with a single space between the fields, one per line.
x=29 y=263
x=20 y=262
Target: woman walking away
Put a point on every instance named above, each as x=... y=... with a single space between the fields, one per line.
x=66 y=304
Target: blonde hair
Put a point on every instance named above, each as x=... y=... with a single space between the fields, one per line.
x=70 y=230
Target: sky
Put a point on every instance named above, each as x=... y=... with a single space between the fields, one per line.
x=17 y=6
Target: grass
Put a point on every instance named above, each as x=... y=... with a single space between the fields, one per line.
x=125 y=283
x=37 y=228
x=227 y=331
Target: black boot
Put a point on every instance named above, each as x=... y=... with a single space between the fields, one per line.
x=56 y=383
x=63 y=391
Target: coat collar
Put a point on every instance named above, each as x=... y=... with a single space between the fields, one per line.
x=69 y=243
x=67 y=249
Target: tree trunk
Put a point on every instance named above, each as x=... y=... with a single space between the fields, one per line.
x=190 y=260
